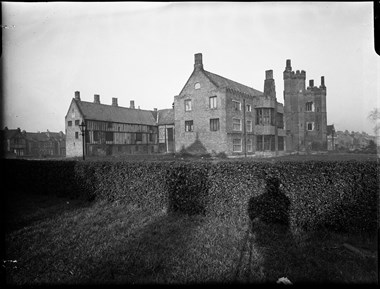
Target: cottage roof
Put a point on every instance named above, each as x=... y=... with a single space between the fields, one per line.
x=222 y=82
x=165 y=116
x=104 y=112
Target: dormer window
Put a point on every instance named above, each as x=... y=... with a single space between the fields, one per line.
x=197 y=85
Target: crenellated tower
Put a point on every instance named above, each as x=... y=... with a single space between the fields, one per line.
x=305 y=112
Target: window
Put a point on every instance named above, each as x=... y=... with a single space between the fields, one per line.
x=76 y=135
x=151 y=139
x=280 y=143
x=309 y=106
x=236 y=145
x=77 y=122
x=236 y=124
x=188 y=105
x=249 y=145
x=109 y=136
x=280 y=120
x=72 y=113
x=96 y=136
x=249 y=107
x=264 y=116
x=267 y=142
x=310 y=126
x=237 y=105
x=213 y=102
x=249 y=126
x=197 y=85
x=214 y=124
x=189 y=125
x=109 y=124
x=259 y=142
x=69 y=123
x=139 y=136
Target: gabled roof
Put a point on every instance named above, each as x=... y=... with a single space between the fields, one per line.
x=165 y=116
x=222 y=82
x=10 y=133
x=104 y=112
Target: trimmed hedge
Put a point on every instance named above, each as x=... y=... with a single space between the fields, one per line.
x=338 y=195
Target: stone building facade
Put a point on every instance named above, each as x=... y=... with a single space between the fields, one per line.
x=214 y=115
x=305 y=112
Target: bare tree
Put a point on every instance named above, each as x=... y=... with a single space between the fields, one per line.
x=374 y=117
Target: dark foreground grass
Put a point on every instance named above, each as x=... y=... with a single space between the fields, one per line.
x=61 y=241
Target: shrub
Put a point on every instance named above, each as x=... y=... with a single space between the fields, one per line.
x=342 y=196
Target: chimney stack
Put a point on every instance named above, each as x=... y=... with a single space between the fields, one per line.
x=155 y=109
x=96 y=98
x=322 y=81
x=269 y=85
x=114 y=101
x=311 y=83
x=288 y=65
x=77 y=95
x=132 y=104
x=198 y=63
x=269 y=74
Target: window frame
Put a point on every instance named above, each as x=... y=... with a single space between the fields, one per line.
x=249 y=144
x=239 y=145
x=189 y=127
x=233 y=124
x=188 y=108
x=234 y=105
x=214 y=124
x=197 y=85
x=70 y=123
x=77 y=122
x=250 y=126
x=76 y=135
x=312 y=126
x=212 y=100
x=248 y=108
x=309 y=106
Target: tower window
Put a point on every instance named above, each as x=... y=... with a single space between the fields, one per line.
x=310 y=126
x=309 y=106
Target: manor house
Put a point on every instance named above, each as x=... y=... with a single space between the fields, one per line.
x=212 y=114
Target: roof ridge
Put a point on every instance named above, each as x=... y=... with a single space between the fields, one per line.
x=117 y=106
x=235 y=82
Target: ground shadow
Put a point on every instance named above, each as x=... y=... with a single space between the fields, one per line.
x=149 y=253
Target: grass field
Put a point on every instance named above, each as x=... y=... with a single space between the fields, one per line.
x=62 y=241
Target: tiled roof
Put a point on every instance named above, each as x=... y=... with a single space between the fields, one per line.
x=223 y=82
x=104 y=112
x=166 y=116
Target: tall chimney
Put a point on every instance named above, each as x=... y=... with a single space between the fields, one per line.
x=311 y=83
x=77 y=95
x=96 y=98
x=198 y=63
x=132 y=104
x=269 y=86
x=288 y=65
x=322 y=81
x=114 y=101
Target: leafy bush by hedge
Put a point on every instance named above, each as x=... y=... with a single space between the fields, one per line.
x=338 y=195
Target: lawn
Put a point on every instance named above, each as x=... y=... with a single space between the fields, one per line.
x=53 y=240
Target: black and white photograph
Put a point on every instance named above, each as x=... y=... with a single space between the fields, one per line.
x=190 y=143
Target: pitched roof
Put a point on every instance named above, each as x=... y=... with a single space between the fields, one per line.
x=104 y=112
x=44 y=136
x=10 y=133
x=166 y=116
x=223 y=82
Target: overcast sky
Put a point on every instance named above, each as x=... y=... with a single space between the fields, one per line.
x=145 y=52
